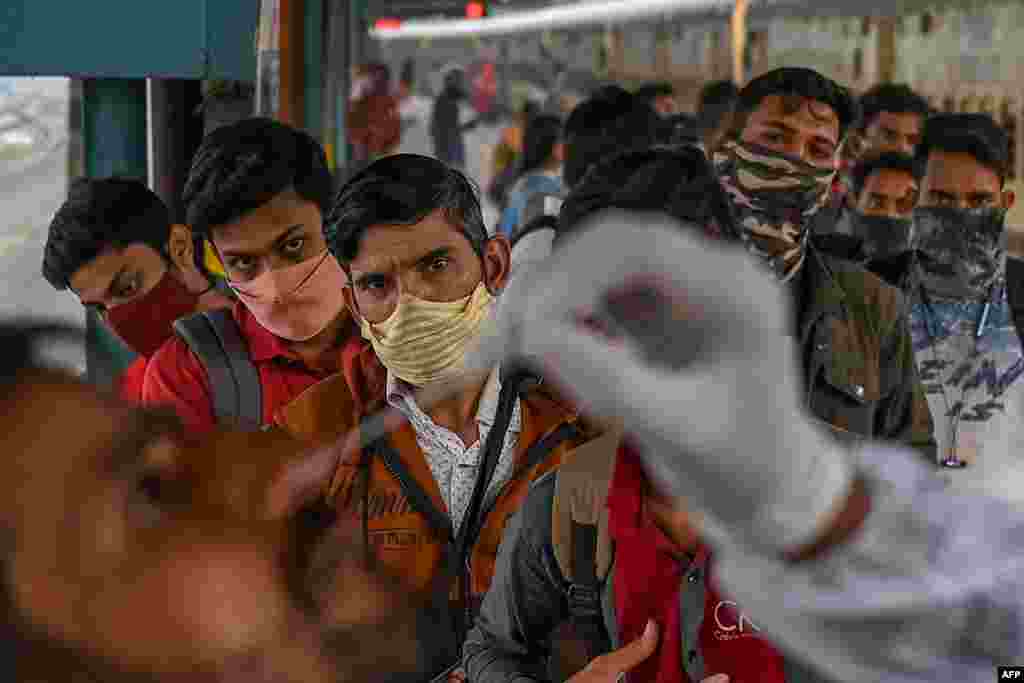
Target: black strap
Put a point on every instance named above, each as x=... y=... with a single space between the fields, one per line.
x=585 y=591
x=418 y=498
x=214 y=337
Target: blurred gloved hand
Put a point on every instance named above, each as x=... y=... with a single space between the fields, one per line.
x=698 y=366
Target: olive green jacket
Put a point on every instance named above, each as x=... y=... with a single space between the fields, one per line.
x=857 y=355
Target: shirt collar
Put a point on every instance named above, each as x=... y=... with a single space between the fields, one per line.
x=263 y=344
x=402 y=395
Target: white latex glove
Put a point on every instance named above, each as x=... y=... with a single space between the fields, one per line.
x=705 y=379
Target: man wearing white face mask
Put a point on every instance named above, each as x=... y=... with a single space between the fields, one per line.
x=434 y=495
x=258 y=190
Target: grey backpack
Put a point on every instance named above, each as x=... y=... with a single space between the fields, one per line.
x=214 y=337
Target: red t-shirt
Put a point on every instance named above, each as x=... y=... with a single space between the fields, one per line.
x=129 y=384
x=176 y=378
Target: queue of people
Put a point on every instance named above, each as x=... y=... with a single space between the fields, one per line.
x=687 y=440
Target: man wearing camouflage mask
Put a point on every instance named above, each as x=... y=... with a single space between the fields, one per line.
x=968 y=351
x=851 y=329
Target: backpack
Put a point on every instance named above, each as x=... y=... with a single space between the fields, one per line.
x=579 y=534
x=216 y=340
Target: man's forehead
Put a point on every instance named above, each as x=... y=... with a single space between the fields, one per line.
x=804 y=112
x=901 y=120
x=959 y=171
x=894 y=179
x=384 y=245
x=260 y=227
x=92 y=280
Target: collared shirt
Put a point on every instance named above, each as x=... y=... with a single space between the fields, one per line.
x=973 y=382
x=176 y=378
x=454 y=465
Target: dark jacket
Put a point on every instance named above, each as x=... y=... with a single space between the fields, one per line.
x=858 y=357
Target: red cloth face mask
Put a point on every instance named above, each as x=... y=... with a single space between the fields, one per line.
x=147 y=322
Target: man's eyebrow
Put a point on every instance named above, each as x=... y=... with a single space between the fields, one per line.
x=981 y=195
x=276 y=242
x=442 y=252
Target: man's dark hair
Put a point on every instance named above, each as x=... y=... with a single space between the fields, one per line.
x=97 y=215
x=975 y=134
x=610 y=121
x=539 y=139
x=402 y=189
x=677 y=181
x=241 y=167
x=716 y=102
x=894 y=98
x=891 y=161
x=800 y=83
x=652 y=91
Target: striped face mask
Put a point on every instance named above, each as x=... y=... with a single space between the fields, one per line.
x=774 y=197
x=423 y=342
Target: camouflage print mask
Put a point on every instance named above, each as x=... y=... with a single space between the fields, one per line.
x=774 y=197
x=962 y=252
x=882 y=235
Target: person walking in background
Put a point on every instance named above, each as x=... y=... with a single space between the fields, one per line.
x=506 y=154
x=539 y=170
x=446 y=128
x=373 y=119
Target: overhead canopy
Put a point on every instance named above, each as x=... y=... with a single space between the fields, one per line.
x=599 y=13
x=120 y=39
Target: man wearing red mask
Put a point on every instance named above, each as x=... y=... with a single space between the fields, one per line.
x=113 y=244
x=257 y=191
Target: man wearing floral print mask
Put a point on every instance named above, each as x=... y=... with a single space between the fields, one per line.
x=777 y=167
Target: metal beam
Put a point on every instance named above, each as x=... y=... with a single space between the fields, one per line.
x=594 y=13
x=114 y=141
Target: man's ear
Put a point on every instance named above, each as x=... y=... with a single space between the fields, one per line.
x=181 y=248
x=497 y=263
x=1009 y=199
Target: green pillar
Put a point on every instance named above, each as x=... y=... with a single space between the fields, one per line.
x=114 y=143
x=313 y=71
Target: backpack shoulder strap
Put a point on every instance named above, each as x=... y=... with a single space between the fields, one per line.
x=214 y=337
x=579 y=530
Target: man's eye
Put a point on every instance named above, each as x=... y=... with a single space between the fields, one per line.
x=127 y=289
x=874 y=203
x=372 y=284
x=438 y=265
x=823 y=153
x=981 y=202
x=294 y=246
x=242 y=263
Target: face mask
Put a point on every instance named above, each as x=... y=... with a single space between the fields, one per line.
x=962 y=252
x=882 y=235
x=298 y=302
x=774 y=196
x=423 y=342
x=147 y=322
